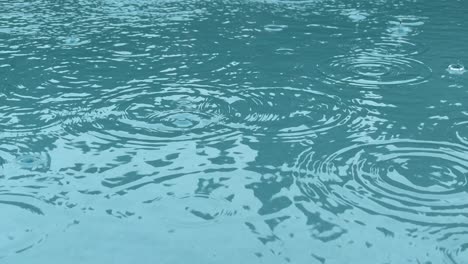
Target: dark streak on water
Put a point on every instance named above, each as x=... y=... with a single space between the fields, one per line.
x=233 y=132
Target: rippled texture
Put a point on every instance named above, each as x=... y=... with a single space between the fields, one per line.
x=233 y=132
x=373 y=70
x=422 y=181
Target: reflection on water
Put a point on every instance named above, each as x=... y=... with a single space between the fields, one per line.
x=214 y=131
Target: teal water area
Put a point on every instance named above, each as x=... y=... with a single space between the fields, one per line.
x=193 y=131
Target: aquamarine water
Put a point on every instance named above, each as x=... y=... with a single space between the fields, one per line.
x=194 y=131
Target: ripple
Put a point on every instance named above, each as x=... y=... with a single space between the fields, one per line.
x=370 y=70
x=355 y=15
x=34 y=161
x=17 y=119
x=168 y=122
x=289 y=113
x=387 y=46
x=23 y=112
x=142 y=116
x=416 y=181
x=461 y=131
x=399 y=30
x=456 y=69
x=275 y=28
x=285 y=51
x=195 y=210
x=402 y=26
x=25 y=226
x=457 y=254
x=74 y=41
x=17 y=159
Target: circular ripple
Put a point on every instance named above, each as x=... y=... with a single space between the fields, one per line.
x=417 y=181
x=34 y=161
x=195 y=113
x=288 y=113
x=16 y=160
x=25 y=119
x=177 y=120
x=275 y=27
x=23 y=112
x=372 y=69
x=403 y=26
x=143 y=116
x=195 y=210
x=461 y=131
x=355 y=15
x=74 y=41
x=24 y=225
x=456 y=254
x=456 y=69
x=386 y=46
x=19 y=156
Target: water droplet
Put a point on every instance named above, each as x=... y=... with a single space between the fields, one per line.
x=456 y=69
x=275 y=28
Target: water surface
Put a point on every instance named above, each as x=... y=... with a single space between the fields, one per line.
x=160 y=131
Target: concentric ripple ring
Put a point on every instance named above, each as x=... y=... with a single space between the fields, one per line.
x=147 y=116
x=196 y=210
x=372 y=69
x=289 y=113
x=386 y=46
x=205 y=113
x=25 y=226
x=38 y=116
x=416 y=181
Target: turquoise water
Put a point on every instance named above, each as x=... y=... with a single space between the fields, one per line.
x=192 y=131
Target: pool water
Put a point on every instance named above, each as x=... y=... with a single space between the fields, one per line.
x=194 y=131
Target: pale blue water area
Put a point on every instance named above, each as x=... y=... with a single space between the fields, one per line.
x=193 y=131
